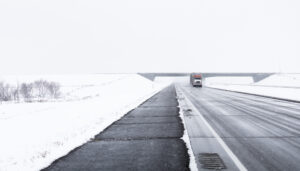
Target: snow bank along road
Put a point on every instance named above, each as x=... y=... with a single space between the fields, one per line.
x=46 y=131
x=147 y=138
x=257 y=133
x=280 y=86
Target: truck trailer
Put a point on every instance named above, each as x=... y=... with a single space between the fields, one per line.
x=196 y=79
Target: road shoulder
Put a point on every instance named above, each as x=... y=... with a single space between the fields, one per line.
x=147 y=138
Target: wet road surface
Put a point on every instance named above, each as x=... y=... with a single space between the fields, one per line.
x=263 y=133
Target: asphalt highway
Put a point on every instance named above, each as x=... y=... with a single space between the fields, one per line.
x=227 y=131
x=147 y=138
x=258 y=133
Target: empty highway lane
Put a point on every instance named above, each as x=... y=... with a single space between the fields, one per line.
x=260 y=133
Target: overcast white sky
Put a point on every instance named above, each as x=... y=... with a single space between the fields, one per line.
x=94 y=36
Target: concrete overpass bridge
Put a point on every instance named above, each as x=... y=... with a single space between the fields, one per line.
x=256 y=76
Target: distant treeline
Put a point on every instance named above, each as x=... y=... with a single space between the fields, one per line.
x=40 y=90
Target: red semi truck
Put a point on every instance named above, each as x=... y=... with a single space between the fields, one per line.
x=196 y=79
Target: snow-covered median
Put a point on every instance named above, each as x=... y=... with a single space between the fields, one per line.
x=35 y=134
x=283 y=86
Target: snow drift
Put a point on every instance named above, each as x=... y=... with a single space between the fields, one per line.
x=35 y=134
x=283 y=86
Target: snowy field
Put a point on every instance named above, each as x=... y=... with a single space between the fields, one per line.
x=35 y=134
x=285 y=86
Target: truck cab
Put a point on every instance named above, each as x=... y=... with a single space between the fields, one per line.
x=196 y=79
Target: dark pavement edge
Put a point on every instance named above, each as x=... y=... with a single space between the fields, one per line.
x=167 y=137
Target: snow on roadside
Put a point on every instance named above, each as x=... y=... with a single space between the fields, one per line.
x=281 y=80
x=284 y=86
x=182 y=106
x=35 y=134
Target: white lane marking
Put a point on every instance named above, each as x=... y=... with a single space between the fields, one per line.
x=233 y=157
